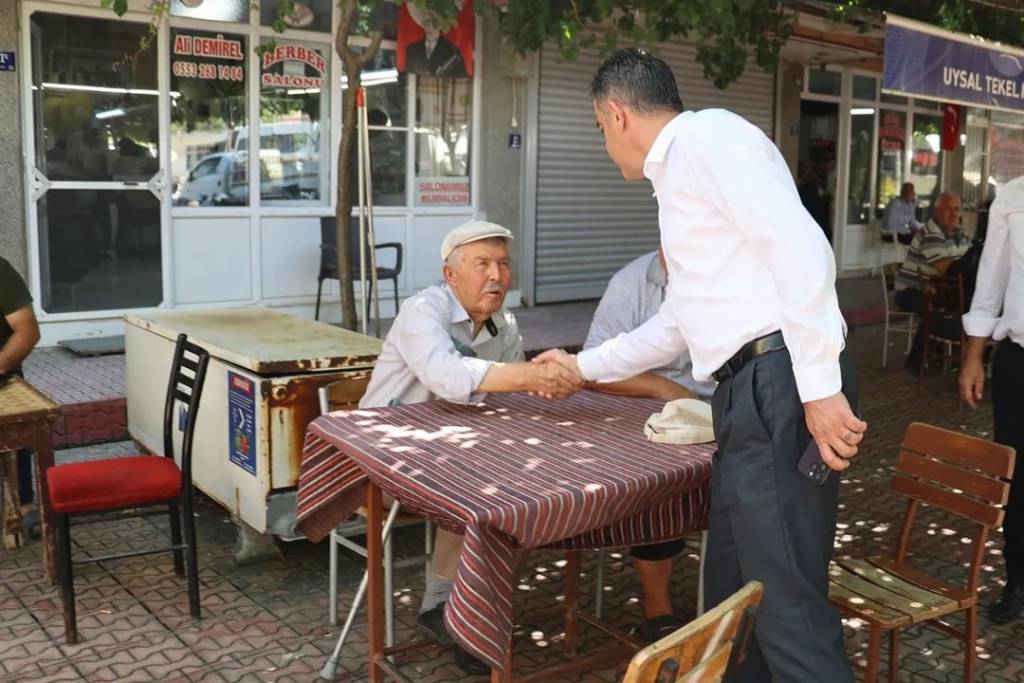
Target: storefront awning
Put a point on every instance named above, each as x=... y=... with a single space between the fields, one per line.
x=925 y=61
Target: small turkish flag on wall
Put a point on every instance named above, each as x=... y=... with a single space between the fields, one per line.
x=952 y=115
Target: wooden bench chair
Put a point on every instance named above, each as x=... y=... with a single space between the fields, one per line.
x=963 y=475
x=706 y=650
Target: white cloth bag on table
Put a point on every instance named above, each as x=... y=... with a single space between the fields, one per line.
x=683 y=421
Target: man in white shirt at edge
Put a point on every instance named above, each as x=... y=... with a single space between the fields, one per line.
x=457 y=342
x=997 y=312
x=752 y=297
x=634 y=295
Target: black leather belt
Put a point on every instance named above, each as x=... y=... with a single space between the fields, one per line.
x=748 y=352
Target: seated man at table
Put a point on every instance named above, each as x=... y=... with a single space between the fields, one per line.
x=19 y=333
x=456 y=342
x=899 y=221
x=634 y=294
x=933 y=252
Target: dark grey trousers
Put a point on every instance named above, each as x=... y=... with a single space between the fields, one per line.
x=771 y=524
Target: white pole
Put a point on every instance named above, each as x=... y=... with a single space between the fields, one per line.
x=371 y=235
x=361 y=109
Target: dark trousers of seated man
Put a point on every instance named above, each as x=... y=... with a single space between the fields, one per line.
x=1008 y=414
x=769 y=523
x=911 y=299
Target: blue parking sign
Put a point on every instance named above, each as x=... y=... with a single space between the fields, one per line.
x=6 y=60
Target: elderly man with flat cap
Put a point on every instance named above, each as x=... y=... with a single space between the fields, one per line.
x=456 y=342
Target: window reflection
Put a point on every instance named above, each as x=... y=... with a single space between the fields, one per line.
x=209 y=123
x=97 y=115
x=862 y=124
x=443 y=118
x=925 y=162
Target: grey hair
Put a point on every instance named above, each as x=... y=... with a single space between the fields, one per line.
x=637 y=79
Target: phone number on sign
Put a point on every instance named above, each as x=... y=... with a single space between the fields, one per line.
x=217 y=72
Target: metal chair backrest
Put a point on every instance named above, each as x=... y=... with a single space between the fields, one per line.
x=188 y=373
x=965 y=476
x=708 y=649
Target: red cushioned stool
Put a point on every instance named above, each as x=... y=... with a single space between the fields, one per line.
x=124 y=485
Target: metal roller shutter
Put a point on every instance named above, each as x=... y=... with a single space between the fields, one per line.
x=591 y=222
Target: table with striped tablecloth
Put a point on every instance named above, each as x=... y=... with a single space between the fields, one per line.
x=515 y=472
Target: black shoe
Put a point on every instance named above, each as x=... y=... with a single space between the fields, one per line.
x=654 y=629
x=431 y=622
x=470 y=664
x=1010 y=604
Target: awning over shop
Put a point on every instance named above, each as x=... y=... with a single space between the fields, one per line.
x=922 y=60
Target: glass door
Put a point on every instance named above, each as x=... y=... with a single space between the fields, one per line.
x=96 y=177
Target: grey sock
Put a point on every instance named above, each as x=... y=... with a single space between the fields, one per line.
x=436 y=592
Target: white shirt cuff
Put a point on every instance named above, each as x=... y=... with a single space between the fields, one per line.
x=979 y=324
x=818 y=381
x=590 y=365
x=477 y=369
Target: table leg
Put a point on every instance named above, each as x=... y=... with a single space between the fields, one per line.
x=506 y=675
x=44 y=461
x=572 y=580
x=375 y=574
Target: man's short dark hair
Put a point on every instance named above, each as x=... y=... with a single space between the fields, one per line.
x=637 y=79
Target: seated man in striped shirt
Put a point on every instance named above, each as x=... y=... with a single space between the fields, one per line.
x=934 y=249
x=633 y=296
x=457 y=342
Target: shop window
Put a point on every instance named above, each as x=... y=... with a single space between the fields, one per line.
x=926 y=161
x=823 y=82
x=99 y=250
x=893 y=99
x=892 y=136
x=97 y=119
x=444 y=112
x=309 y=15
x=295 y=141
x=208 y=114
x=386 y=97
x=212 y=10
x=865 y=88
x=862 y=128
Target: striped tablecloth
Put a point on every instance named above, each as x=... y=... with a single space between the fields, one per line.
x=516 y=472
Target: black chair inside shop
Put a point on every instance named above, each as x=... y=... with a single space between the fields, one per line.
x=329 y=262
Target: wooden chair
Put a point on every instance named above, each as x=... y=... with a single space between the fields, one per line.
x=942 y=307
x=965 y=476
x=706 y=650
x=126 y=484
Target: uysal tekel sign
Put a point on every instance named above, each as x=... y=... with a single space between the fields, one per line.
x=925 y=61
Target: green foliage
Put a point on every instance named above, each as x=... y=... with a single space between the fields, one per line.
x=963 y=16
x=728 y=33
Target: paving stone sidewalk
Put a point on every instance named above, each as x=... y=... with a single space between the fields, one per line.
x=268 y=621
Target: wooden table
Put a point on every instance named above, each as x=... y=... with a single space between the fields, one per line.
x=516 y=473
x=26 y=417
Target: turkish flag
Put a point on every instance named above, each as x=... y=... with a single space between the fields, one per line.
x=952 y=115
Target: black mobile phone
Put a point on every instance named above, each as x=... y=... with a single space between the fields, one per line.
x=812 y=466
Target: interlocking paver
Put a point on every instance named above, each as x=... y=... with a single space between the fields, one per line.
x=268 y=622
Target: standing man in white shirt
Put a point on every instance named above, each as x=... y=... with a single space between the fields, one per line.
x=752 y=297
x=997 y=312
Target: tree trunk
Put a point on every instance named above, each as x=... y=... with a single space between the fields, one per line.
x=353 y=63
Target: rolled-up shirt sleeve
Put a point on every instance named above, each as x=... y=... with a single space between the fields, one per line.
x=654 y=344
x=993 y=278
x=792 y=247
x=422 y=340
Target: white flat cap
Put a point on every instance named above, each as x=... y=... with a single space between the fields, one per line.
x=471 y=232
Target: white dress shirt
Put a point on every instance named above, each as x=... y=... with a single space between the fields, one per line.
x=430 y=352
x=997 y=309
x=633 y=296
x=744 y=257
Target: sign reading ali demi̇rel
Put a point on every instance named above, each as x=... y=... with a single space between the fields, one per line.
x=293 y=58
x=442 y=191
x=922 y=60
x=204 y=47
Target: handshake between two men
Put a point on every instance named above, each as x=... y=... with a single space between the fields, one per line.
x=551 y=375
